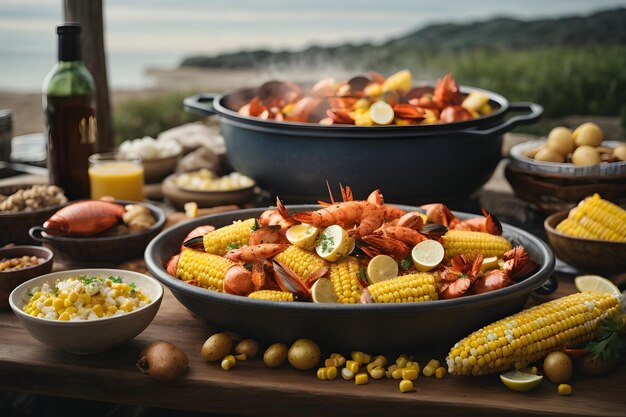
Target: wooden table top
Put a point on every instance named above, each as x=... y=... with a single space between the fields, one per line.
x=253 y=389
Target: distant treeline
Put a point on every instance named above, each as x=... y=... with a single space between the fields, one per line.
x=574 y=65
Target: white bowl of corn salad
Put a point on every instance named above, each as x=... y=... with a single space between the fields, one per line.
x=87 y=311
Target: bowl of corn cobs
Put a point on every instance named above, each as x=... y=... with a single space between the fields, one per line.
x=199 y=277
x=591 y=236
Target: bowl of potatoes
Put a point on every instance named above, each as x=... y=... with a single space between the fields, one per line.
x=557 y=171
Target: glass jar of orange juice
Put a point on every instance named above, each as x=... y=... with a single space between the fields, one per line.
x=113 y=175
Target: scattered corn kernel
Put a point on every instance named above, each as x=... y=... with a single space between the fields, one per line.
x=380 y=360
x=330 y=362
x=565 y=389
x=441 y=372
x=339 y=359
x=378 y=372
x=409 y=373
x=367 y=358
x=406 y=385
x=357 y=356
x=241 y=357
x=322 y=374
x=228 y=362
x=402 y=360
x=397 y=373
x=346 y=374
x=361 y=379
x=353 y=366
x=331 y=372
x=431 y=367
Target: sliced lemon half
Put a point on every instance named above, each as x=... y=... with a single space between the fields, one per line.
x=381 y=113
x=333 y=243
x=322 y=291
x=489 y=263
x=302 y=235
x=520 y=381
x=596 y=283
x=381 y=268
x=427 y=255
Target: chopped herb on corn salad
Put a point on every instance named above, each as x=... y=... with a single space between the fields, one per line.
x=84 y=298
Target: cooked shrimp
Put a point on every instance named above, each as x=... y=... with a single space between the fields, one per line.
x=404 y=234
x=249 y=253
x=391 y=212
x=268 y=234
x=367 y=217
x=279 y=216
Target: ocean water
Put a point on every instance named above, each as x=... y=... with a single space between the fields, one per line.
x=160 y=33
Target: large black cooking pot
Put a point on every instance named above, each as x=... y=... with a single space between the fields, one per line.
x=420 y=163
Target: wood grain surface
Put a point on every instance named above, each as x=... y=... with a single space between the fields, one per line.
x=253 y=389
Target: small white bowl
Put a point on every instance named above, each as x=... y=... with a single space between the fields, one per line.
x=89 y=336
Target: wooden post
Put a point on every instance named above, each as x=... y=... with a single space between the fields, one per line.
x=89 y=15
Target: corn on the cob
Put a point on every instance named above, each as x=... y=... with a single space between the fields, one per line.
x=271 y=295
x=527 y=336
x=595 y=218
x=236 y=234
x=344 y=275
x=300 y=261
x=207 y=270
x=407 y=288
x=462 y=242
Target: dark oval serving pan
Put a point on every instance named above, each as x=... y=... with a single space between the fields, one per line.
x=337 y=327
x=412 y=163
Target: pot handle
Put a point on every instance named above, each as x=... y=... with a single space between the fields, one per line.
x=200 y=104
x=35 y=233
x=535 y=112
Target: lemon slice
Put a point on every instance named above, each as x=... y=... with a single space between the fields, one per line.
x=427 y=255
x=322 y=291
x=381 y=268
x=381 y=113
x=489 y=263
x=333 y=243
x=351 y=245
x=596 y=283
x=521 y=381
x=302 y=235
x=400 y=81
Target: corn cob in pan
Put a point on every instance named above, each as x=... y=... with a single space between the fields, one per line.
x=462 y=242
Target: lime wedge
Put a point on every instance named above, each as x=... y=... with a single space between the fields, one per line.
x=381 y=268
x=520 y=381
x=427 y=255
x=322 y=291
x=596 y=283
x=381 y=113
x=333 y=243
x=302 y=235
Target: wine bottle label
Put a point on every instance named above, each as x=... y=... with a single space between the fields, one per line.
x=88 y=129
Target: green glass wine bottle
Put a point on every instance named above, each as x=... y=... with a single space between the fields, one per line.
x=69 y=102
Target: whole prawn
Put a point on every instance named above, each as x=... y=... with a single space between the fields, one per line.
x=367 y=217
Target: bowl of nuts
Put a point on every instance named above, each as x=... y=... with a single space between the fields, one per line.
x=18 y=264
x=25 y=205
x=557 y=172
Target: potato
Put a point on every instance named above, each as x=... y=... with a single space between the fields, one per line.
x=217 y=347
x=620 y=152
x=304 y=354
x=275 y=355
x=548 y=155
x=586 y=155
x=588 y=134
x=591 y=365
x=560 y=140
x=163 y=361
x=248 y=347
x=558 y=367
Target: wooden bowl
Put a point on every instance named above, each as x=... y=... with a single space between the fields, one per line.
x=103 y=249
x=588 y=255
x=14 y=226
x=179 y=196
x=11 y=279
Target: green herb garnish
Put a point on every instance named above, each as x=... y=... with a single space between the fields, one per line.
x=248 y=266
x=55 y=290
x=362 y=274
x=133 y=288
x=326 y=243
x=405 y=264
x=232 y=246
x=88 y=280
x=117 y=280
x=608 y=344
x=255 y=226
